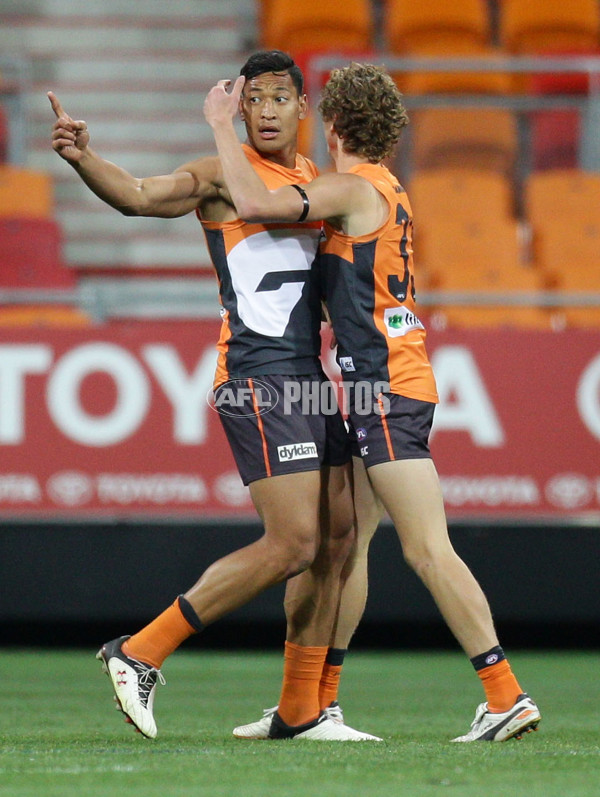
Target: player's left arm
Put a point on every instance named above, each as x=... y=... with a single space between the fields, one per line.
x=330 y=196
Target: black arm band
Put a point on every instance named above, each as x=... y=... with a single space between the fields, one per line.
x=306 y=208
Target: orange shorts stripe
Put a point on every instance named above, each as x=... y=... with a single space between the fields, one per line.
x=261 y=428
x=386 y=431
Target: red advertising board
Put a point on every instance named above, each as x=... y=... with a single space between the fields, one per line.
x=114 y=421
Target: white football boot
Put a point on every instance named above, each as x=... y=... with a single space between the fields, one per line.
x=489 y=726
x=260 y=729
x=134 y=684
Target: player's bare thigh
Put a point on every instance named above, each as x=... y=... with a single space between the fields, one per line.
x=289 y=506
x=411 y=493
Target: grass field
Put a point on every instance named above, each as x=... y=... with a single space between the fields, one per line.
x=60 y=737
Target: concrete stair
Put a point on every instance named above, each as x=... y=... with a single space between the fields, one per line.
x=138 y=74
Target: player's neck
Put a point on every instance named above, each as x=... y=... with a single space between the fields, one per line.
x=344 y=161
x=284 y=157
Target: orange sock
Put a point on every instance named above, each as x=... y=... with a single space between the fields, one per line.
x=330 y=681
x=299 y=701
x=501 y=687
x=159 y=638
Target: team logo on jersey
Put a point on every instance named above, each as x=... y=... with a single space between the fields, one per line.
x=241 y=398
x=399 y=321
x=347 y=364
x=297 y=451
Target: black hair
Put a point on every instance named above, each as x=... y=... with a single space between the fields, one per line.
x=273 y=61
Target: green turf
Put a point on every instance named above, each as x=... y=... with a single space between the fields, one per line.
x=60 y=737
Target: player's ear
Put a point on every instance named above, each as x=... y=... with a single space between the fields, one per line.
x=303 y=107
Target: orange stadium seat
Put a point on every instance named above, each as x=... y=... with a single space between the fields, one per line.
x=482 y=256
x=43 y=316
x=566 y=246
x=443 y=193
x=483 y=138
x=464 y=82
x=559 y=194
x=443 y=28
x=315 y=26
x=30 y=255
x=578 y=272
x=25 y=193
x=544 y=26
x=436 y=25
x=474 y=254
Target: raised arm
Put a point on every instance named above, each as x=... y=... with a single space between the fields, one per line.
x=168 y=195
x=329 y=196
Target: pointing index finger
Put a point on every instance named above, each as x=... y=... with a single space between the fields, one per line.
x=56 y=106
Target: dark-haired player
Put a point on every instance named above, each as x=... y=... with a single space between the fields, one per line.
x=296 y=463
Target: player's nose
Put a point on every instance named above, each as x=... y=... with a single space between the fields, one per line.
x=268 y=109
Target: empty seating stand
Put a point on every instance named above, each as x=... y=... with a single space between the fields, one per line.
x=315 y=26
x=483 y=139
x=25 y=193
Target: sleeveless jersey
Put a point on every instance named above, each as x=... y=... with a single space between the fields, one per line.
x=269 y=286
x=369 y=289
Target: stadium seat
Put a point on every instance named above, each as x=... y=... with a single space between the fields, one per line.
x=482 y=256
x=455 y=82
x=30 y=256
x=442 y=28
x=25 y=193
x=545 y=26
x=568 y=248
x=559 y=196
x=43 y=316
x=483 y=138
x=566 y=243
x=436 y=25
x=474 y=254
x=315 y=26
x=439 y=194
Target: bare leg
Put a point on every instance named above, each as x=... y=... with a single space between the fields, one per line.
x=411 y=493
x=311 y=599
x=289 y=508
x=368 y=511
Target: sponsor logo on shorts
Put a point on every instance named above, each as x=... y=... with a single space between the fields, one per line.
x=297 y=451
x=399 y=321
x=347 y=364
x=241 y=398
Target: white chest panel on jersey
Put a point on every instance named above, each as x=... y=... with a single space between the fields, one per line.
x=268 y=271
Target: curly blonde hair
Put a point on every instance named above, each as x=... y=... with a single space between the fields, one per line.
x=366 y=109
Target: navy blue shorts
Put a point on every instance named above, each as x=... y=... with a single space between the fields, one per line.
x=394 y=428
x=280 y=424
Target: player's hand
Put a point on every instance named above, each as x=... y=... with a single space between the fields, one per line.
x=69 y=138
x=220 y=105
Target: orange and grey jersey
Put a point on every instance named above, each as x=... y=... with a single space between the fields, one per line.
x=269 y=286
x=369 y=289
